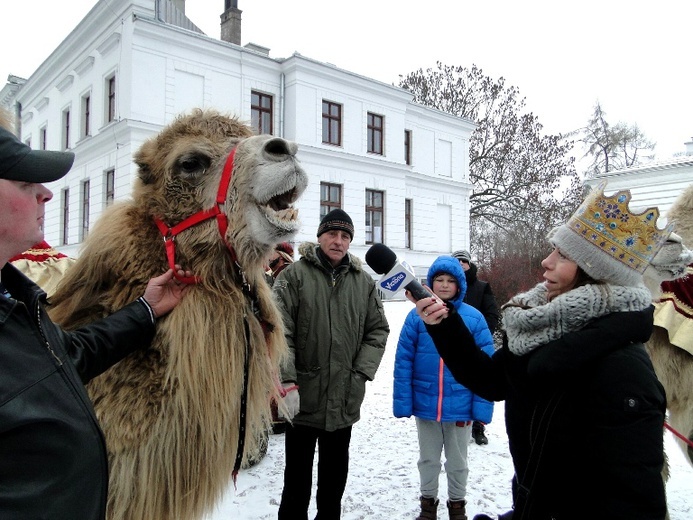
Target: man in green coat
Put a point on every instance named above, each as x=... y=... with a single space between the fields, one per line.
x=336 y=330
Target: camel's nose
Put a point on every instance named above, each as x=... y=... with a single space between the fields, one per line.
x=278 y=148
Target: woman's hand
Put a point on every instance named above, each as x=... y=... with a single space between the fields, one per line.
x=431 y=310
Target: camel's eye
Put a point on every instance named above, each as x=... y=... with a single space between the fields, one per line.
x=193 y=165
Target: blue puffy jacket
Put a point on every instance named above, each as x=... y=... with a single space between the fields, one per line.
x=423 y=386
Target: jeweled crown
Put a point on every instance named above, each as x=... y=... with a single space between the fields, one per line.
x=607 y=222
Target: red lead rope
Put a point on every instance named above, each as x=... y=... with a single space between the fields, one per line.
x=169 y=233
x=678 y=434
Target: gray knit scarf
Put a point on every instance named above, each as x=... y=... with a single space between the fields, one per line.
x=530 y=320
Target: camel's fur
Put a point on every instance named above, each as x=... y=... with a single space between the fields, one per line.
x=171 y=413
x=673 y=365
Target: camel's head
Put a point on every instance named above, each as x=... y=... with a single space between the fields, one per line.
x=267 y=180
x=672 y=260
x=180 y=173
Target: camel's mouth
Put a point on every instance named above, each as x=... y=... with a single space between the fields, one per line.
x=280 y=208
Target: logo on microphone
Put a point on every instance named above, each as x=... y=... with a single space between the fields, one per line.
x=393 y=283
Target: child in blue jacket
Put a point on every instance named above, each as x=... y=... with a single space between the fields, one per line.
x=425 y=388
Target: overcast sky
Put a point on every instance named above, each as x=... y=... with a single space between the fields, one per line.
x=633 y=56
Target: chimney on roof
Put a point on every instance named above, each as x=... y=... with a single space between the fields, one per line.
x=231 y=22
x=689 y=147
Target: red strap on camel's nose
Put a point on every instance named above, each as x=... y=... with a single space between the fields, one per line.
x=169 y=233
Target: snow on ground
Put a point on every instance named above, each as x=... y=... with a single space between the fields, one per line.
x=383 y=478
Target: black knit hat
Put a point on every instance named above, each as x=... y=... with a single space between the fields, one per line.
x=336 y=219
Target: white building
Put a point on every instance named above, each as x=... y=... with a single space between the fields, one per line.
x=657 y=183
x=399 y=169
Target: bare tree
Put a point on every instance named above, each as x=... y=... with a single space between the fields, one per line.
x=516 y=172
x=612 y=147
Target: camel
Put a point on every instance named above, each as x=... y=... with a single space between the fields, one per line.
x=181 y=417
x=671 y=344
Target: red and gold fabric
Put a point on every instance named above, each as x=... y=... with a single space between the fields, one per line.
x=674 y=310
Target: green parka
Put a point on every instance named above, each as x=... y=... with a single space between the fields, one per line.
x=336 y=329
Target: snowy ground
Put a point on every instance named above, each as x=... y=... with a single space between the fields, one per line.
x=383 y=479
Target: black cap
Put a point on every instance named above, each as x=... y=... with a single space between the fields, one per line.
x=336 y=219
x=18 y=162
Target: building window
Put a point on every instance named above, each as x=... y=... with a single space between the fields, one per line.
x=85 y=209
x=42 y=138
x=86 y=114
x=374 y=216
x=110 y=186
x=66 y=129
x=261 y=112
x=65 y=203
x=111 y=99
x=407 y=147
x=407 y=223
x=331 y=123
x=375 y=133
x=330 y=197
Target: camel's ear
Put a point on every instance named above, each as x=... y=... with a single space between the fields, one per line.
x=143 y=159
x=145 y=173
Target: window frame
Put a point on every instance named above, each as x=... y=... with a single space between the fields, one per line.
x=331 y=122
x=86 y=195
x=65 y=203
x=259 y=111
x=327 y=205
x=408 y=135
x=371 y=210
x=66 y=129
x=375 y=124
x=111 y=98
x=86 y=115
x=109 y=186
x=408 y=221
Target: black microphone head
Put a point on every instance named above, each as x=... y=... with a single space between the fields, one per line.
x=381 y=258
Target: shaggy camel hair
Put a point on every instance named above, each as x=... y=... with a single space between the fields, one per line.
x=172 y=413
x=674 y=363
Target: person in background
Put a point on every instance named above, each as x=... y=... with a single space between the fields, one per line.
x=443 y=408
x=53 y=461
x=336 y=329
x=480 y=296
x=282 y=256
x=584 y=408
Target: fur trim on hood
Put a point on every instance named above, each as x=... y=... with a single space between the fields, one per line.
x=309 y=251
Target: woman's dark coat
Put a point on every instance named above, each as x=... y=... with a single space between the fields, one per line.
x=588 y=404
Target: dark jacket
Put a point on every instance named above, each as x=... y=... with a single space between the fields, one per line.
x=423 y=385
x=588 y=404
x=53 y=462
x=480 y=296
x=336 y=329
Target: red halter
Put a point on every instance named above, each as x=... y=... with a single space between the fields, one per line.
x=169 y=233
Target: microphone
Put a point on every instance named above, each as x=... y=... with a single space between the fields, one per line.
x=396 y=273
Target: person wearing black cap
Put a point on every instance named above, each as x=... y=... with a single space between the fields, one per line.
x=336 y=329
x=480 y=296
x=53 y=461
